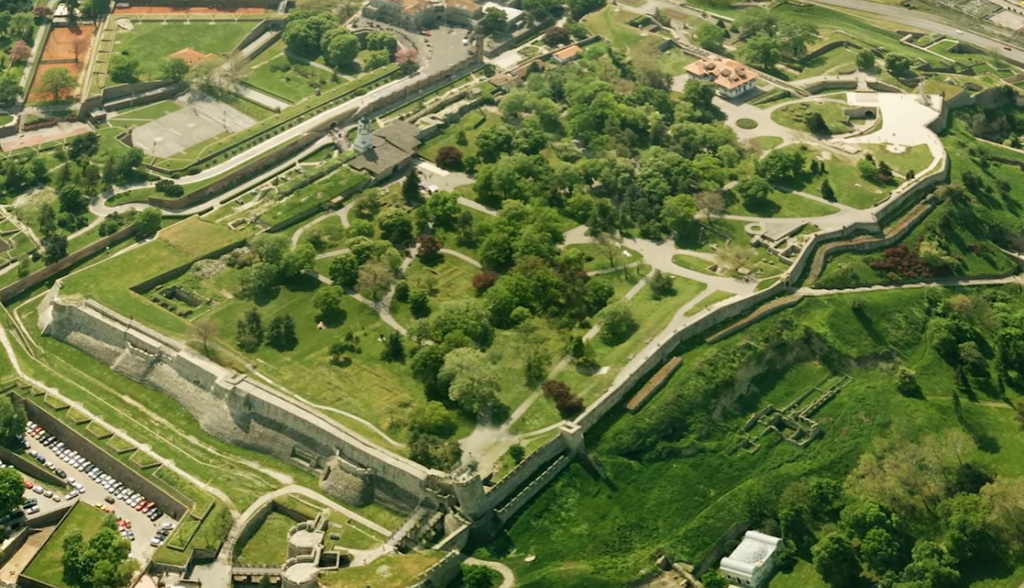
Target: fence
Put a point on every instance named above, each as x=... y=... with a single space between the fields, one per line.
x=34 y=279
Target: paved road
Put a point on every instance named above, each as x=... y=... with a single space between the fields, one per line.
x=923 y=20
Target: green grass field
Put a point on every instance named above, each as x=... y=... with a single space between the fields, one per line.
x=915 y=158
x=716 y=296
x=316 y=194
x=279 y=75
x=153 y=42
x=144 y=114
x=269 y=545
x=46 y=565
x=194 y=237
x=471 y=124
x=782 y=205
x=766 y=143
x=793 y=115
x=610 y=23
x=619 y=525
x=390 y=571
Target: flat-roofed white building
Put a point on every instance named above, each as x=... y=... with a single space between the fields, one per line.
x=752 y=563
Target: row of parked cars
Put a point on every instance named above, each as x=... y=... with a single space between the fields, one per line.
x=117 y=490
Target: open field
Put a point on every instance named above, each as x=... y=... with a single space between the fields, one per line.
x=153 y=42
x=278 y=74
x=46 y=566
x=471 y=124
x=794 y=115
x=269 y=545
x=620 y=524
x=390 y=571
x=782 y=205
x=194 y=237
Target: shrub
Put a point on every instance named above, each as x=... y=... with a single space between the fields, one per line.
x=449 y=157
x=567 y=403
x=483 y=282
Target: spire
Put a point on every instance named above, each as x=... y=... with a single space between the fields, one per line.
x=364 y=137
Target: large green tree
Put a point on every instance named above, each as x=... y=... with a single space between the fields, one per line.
x=835 y=561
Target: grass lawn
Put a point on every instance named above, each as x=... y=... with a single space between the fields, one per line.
x=350 y=535
x=652 y=316
x=390 y=571
x=144 y=114
x=716 y=296
x=782 y=205
x=269 y=545
x=801 y=576
x=697 y=264
x=674 y=62
x=793 y=115
x=597 y=260
x=153 y=42
x=471 y=124
x=315 y=194
x=194 y=237
x=621 y=521
x=915 y=158
x=841 y=58
x=449 y=279
x=279 y=75
x=766 y=143
x=46 y=565
x=851 y=188
x=610 y=23
x=367 y=386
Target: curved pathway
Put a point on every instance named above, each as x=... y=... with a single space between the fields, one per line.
x=508 y=579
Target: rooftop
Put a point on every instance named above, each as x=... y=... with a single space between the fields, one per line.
x=568 y=53
x=753 y=551
x=392 y=145
x=727 y=73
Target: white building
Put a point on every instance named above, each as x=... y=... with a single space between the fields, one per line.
x=752 y=562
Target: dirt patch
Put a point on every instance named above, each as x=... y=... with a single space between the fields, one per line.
x=17 y=564
x=66 y=47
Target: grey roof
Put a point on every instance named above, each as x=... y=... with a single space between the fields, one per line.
x=392 y=145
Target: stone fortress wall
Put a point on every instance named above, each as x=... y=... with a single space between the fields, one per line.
x=235 y=409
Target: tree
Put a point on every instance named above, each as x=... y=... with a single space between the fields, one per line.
x=123 y=69
x=249 y=331
x=71 y=200
x=297 y=261
x=12 y=427
x=395 y=226
x=174 y=69
x=517 y=452
x=341 y=50
x=710 y=204
x=10 y=86
x=302 y=35
x=555 y=36
x=374 y=280
x=444 y=209
x=968 y=533
x=880 y=550
x=479 y=577
x=816 y=124
x=567 y=403
x=580 y=8
x=20 y=51
x=699 y=93
x=433 y=419
x=58 y=82
x=762 y=50
x=753 y=190
x=906 y=382
x=493 y=141
x=471 y=382
x=710 y=37
x=617 y=323
x=662 y=285
x=428 y=248
x=55 y=246
x=714 y=578
x=281 y=333
x=21 y=25
x=147 y=222
x=394 y=350
x=932 y=567
x=494 y=21
x=898 y=64
x=327 y=301
x=827 y=192
x=865 y=60
x=781 y=164
x=867 y=168
x=408 y=60
x=344 y=270
x=678 y=212
x=449 y=157
x=411 y=187
x=835 y=560
x=795 y=35
x=381 y=41
x=206 y=73
x=94 y=9
x=203 y=331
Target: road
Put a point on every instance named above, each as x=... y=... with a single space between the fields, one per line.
x=925 y=21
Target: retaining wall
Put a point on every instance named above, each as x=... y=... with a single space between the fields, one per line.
x=110 y=464
x=441 y=573
x=525 y=470
x=31 y=468
x=147 y=285
x=508 y=511
x=12 y=547
x=229 y=405
x=34 y=279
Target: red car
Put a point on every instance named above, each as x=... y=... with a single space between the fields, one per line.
x=28 y=484
x=425 y=33
x=1007 y=47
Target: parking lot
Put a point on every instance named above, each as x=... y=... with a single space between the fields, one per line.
x=92 y=490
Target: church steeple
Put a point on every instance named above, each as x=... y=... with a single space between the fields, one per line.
x=364 y=137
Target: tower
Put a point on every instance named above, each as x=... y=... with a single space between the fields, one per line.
x=364 y=136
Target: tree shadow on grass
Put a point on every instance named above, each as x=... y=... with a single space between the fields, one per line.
x=334 y=319
x=868 y=325
x=302 y=283
x=763 y=207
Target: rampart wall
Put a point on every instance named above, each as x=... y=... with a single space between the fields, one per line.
x=526 y=469
x=227 y=404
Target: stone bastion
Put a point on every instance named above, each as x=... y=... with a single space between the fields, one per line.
x=238 y=410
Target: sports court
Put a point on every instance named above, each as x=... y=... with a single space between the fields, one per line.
x=200 y=118
x=67 y=47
